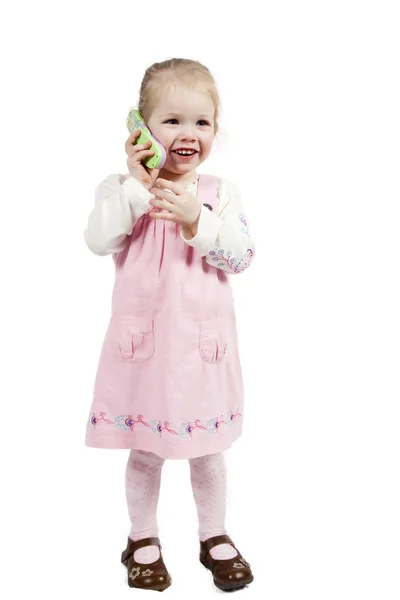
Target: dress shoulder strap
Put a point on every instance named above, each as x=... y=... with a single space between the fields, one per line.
x=207 y=190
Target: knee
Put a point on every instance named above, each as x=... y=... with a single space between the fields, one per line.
x=209 y=461
x=146 y=458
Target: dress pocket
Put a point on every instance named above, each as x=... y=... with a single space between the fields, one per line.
x=133 y=338
x=213 y=342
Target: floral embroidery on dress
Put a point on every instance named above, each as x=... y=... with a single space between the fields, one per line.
x=94 y=420
x=184 y=431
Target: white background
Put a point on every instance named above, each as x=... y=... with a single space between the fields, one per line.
x=310 y=132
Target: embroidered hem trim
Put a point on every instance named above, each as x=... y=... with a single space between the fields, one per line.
x=184 y=431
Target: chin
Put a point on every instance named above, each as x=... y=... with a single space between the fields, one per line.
x=181 y=169
x=186 y=168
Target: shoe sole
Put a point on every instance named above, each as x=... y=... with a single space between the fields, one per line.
x=229 y=587
x=156 y=588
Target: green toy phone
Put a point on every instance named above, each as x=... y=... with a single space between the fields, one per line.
x=134 y=122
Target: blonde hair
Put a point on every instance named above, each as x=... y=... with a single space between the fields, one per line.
x=176 y=70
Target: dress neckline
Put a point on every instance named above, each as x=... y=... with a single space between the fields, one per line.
x=192 y=183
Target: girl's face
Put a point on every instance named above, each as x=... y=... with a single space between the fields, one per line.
x=183 y=121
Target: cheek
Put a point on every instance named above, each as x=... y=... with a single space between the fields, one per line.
x=166 y=138
x=207 y=143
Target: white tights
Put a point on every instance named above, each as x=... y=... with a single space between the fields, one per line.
x=208 y=478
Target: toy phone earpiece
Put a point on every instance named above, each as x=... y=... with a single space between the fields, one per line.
x=134 y=122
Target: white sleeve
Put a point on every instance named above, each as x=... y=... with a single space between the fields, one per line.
x=120 y=200
x=223 y=237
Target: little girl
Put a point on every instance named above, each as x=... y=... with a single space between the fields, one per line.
x=169 y=382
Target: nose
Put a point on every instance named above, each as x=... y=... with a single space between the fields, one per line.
x=187 y=134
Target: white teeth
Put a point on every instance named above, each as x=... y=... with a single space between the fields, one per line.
x=185 y=152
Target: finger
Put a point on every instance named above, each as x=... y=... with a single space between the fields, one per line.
x=139 y=156
x=131 y=139
x=163 y=194
x=164 y=204
x=131 y=150
x=154 y=175
x=163 y=216
x=171 y=185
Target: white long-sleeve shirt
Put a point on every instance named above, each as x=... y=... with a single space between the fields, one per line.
x=222 y=237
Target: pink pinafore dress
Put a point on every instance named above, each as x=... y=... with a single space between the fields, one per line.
x=169 y=378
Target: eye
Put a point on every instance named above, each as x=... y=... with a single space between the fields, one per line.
x=172 y=121
x=203 y=123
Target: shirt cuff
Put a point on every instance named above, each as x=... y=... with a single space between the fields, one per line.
x=207 y=232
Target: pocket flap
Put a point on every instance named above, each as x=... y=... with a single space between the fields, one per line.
x=213 y=341
x=134 y=337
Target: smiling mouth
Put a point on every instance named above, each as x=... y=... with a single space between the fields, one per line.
x=185 y=152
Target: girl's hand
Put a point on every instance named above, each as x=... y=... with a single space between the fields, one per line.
x=135 y=154
x=183 y=208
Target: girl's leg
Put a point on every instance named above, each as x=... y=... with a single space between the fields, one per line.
x=208 y=477
x=142 y=483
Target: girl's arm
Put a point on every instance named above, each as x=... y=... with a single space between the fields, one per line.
x=120 y=200
x=223 y=237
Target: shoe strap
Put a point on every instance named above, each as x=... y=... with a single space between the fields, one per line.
x=209 y=544
x=133 y=546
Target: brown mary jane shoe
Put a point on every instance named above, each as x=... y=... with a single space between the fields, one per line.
x=153 y=576
x=229 y=574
